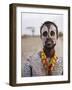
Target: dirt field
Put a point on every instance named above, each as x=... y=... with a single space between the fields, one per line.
x=31 y=45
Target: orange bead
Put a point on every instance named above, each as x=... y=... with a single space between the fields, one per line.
x=43 y=61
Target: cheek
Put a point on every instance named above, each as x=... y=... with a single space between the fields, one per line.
x=43 y=40
x=54 y=39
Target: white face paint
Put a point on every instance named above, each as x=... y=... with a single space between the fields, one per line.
x=44 y=29
x=49 y=34
x=52 y=33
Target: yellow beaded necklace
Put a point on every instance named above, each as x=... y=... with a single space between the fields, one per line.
x=48 y=65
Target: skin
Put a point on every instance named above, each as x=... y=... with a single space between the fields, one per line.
x=49 y=39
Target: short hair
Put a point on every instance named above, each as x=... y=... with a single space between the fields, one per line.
x=48 y=23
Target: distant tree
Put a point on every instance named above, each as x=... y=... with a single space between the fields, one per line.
x=33 y=31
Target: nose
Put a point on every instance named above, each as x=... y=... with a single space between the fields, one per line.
x=49 y=40
x=48 y=36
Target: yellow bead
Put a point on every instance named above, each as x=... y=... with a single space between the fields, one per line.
x=43 y=57
x=54 y=61
x=42 y=53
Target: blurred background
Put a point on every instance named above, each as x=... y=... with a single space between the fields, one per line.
x=30 y=34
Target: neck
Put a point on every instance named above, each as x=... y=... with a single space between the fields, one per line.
x=49 y=52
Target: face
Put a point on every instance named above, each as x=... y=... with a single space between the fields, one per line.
x=49 y=36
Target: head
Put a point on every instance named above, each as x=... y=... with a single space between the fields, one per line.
x=49 y=34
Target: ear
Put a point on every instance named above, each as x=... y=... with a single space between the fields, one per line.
x=40 y=36
x=57 y=35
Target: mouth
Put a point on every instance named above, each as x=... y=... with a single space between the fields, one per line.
x=49 y=43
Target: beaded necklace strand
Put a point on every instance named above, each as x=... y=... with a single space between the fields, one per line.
x=48 y=64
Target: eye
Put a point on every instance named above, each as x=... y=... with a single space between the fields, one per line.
x=45 y=33
x=52 y=33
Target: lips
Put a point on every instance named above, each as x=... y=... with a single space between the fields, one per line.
x=49 y=42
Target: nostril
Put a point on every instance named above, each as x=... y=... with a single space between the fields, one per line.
x=48 y=39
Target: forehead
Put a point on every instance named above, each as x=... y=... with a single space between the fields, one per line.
x=47 y=28
x=44 y=28
x=52 y=27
